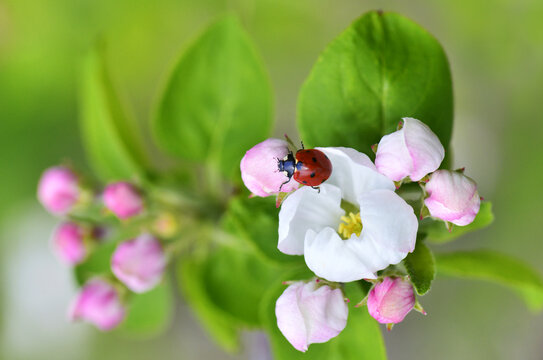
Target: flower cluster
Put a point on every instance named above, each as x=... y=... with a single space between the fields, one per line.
x=356 y=226
x=138 y=264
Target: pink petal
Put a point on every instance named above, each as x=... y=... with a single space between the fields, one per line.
x=307 y=313
x=259 y=168
x=452 y=197
x=139 y=263
x=391 y=300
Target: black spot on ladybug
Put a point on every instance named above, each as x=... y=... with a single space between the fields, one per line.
x=310 y=167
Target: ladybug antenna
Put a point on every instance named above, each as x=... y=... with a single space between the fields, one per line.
x=289 y=141
x=301 y=142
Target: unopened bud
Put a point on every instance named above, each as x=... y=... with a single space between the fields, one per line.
x=391 y=300
x=123 y=199
x=259 y=168
x=58 y=190
x=139 y=263
x=310 y=313
x=99 y=303
x=69 y=244
x=413 y=150
x=453 y=197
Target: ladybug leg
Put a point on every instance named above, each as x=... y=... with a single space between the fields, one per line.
x=301 y=142
x=286 y=182
x=278 y=164
x=316 y=188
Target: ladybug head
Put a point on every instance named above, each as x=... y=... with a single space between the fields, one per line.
x=287 y=165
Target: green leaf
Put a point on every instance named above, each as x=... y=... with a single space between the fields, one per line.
x=421 y=268
x=361 y=339
x=223 y=328
x=97 y=264
x=257 y=220
x=225 y=289
x=495 y=267
x=149 y=313
x=217 y=103
x=113 y=145
x=437 y=232
x=382 y=68
x=236 y=280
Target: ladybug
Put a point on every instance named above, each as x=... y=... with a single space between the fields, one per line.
x=310 y=167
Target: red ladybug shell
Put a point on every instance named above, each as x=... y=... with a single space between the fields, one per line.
x=312 y=167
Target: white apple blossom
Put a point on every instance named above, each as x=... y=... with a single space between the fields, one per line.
x=353 y=227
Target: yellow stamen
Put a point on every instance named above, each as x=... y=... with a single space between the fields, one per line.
x=351 y=224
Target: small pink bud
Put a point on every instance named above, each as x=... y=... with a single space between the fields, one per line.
x=414 y=151
x=308 y=313
x=98 y=303
x=391 y=300
x=166 y=225
x=139 y=263
x=453 y=197
x=123 y=199
x=68 y=243
x=58 y=190
x=259 y=168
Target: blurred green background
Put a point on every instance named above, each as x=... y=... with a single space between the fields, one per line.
x=496 y=54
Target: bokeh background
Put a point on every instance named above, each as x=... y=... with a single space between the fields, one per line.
x=496 y=54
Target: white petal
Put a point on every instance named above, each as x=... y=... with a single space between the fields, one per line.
x=426 y=150
x=390 y=222
x=335 y=259
x=388 y=235
x=307 y=209
x=354 y=173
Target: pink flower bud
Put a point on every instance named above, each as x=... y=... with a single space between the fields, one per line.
x=452 y=197
x=139 y=263
x=391 y=300
x=68 y=243
x=58 y=190
x=123 y=199
x=98 y=303
x=310 y=313
x=412 y=151
x=259 y=168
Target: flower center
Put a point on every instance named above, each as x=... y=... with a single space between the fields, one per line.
x=351 y=224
